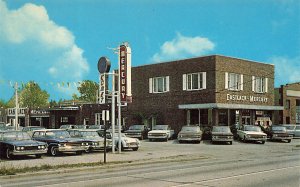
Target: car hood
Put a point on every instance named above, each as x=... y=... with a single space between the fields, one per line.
x=222 y=133
x=25 y=143
x=93 y=139
x=254 y=132
x=133 y=131
x=128 y=140
x=159 y=131
x=187 y=133
x=65 y=140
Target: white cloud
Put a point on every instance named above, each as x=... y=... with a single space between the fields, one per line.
x=183 y=47
x=287 y=70
x=30 y=26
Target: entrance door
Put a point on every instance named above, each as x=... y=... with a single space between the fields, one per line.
x=246 y=120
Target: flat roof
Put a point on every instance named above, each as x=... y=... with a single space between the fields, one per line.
x=229 y=106
x=199 y=57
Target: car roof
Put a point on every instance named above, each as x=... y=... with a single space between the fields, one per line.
x=50 y=130
x=84 y=130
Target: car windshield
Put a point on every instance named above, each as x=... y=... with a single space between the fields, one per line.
x=136 y=127
x=58 y=134
x=290 y=127
x=89 y=134
x=79 y=126
x=65 y=126
x=278 y=128
x=252 y=128
x=8 y=136
x=35 y=128
x=221 y=129
x=95 y=127
x=161 y=127
x=190 y=129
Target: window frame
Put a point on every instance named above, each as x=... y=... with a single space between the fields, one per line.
x=159 y=84
x=259 y=84
x=234 y=81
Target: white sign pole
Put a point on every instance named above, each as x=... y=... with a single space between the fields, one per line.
x=113 y=120
x=119 y=108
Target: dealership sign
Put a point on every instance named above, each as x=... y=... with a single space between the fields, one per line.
x=252 y=99
x=125 y=73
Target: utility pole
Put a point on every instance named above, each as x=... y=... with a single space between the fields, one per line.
x=17 y=107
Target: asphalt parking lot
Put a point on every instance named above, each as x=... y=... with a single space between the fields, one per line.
x=153 y=151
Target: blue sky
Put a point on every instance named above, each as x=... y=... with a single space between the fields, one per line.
x=57 y=41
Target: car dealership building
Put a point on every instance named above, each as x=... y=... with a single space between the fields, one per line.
x=206 y=91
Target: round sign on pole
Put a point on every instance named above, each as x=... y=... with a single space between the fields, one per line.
x=103 y=65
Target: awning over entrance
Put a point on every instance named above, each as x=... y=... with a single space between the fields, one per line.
x=229 y=106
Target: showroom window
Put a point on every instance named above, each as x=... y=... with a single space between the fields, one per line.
x=234 y=81
x=259 y=84
x=159 y=84
x=64 y=119
x=194 y=81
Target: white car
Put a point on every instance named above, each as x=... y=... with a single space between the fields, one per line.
x=161 y=132
x=251 y=133
x=126 y=142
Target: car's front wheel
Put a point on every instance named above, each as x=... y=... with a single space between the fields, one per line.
x=53 y=151
x=135 y=149
x=8 y=153
x=263 y=142
x=289 y=141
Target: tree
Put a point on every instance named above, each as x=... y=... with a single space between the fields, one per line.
x=31 y=96
x=88 y=91
x=3 y=103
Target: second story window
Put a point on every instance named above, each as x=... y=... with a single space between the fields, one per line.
x=259 y=84
x=233 y=81
x=194 y=81
x=159 y=84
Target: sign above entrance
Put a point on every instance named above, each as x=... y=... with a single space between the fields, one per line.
x=252 y=99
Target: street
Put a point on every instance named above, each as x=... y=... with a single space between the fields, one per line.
x=272 y=164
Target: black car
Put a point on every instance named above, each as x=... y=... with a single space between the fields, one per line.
x=96 y=142
x=137 y=131
x=20 y=143
x=60 y=141
x=276 y=132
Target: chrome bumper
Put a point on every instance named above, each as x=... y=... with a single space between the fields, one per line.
x=29 y=152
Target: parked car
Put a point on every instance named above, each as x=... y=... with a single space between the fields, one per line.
x=276 y=132
x=67 y=126
x=221 y=134
x=96 y=142
x=251 y=133
x=297 y=131
x=30 y=129
x=116 y=129
x=126 y=142
x=161 y=132
x=60 y=141
x=190 y=134
x=6 y=127
x=290 y=128
x=137 y=131
x=20 y=143
x=81 y=127
x=96 y=127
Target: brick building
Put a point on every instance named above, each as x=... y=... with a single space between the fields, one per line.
x=210 y=90
x=288 y=96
